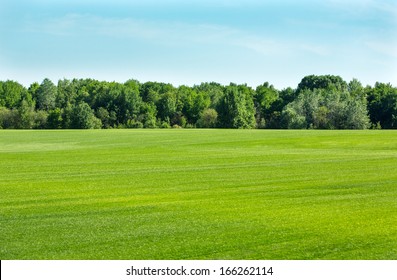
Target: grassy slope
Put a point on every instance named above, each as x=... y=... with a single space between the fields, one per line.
x=198 y=194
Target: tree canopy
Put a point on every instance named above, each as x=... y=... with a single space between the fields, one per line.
x=318 y=102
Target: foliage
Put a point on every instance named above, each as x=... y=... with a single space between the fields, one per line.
x=83 y=117
x=264 y=97
x=382 y=105
x=45 y=95
x=328 y=82
x=319 y=102
x=55 y=119
x=326 y=109
x=8 y=118
x=236 y=108
x=208 y=118
x=11 y=94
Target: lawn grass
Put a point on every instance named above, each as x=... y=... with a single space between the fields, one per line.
x=198 y=194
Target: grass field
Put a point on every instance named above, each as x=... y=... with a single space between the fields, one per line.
x=198 y=194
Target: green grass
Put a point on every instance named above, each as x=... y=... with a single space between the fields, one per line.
x=198 y=194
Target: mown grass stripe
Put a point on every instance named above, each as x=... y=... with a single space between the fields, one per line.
x=198 y=194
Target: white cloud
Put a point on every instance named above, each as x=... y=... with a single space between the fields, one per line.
x=158 y=32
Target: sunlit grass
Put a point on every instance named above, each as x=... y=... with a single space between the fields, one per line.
x=198 y=194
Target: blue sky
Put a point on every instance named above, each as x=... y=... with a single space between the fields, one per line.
x=189 y=42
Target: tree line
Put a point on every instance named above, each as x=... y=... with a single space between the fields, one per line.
x=318 y=102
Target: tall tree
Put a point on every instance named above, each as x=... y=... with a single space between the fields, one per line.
x=11 y=94
x=236 y=108
x=328 y=82
x=166 y=106
x=45 y=95
x=264 y=97
x=129 y=101
x=66 y=93
x=26 y=115
x=382 y=105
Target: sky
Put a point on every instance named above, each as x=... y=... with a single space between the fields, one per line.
x=189 y=42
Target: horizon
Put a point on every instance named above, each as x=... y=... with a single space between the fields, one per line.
x=55 y=81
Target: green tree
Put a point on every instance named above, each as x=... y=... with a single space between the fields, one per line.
x=356 y=114
x=274 y=119
x=40 y=119
x=328 y=82
x=301 y=112
x=382 y=105
x=208 y=118
x=150 y=92
x=104 y=116
x=26 y=115
x=84 y=118
x=264 y=97
x=8 y=118
x=236 y=108
x=11 y=94
x=148 y=115
x=55 y=119
x=178 y=120
x=326 y=109
x=356 y=89
x=292 y=118
x=33 y=88
x=129 y=101
x=212 y=90
x=67 y=116
x=166 y=106
x=191 y=103
x=66 y=93
x=45 y=95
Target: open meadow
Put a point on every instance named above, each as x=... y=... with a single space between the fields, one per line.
x=198 y=194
